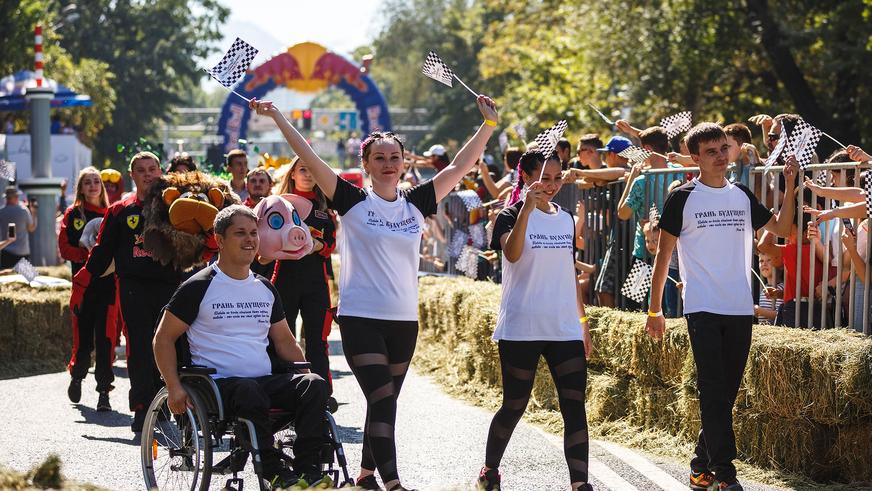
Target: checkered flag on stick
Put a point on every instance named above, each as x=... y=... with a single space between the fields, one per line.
x=233 y=65
x=803 y=142
x=636 y=155
x=436 y=69
x=867 y=185
x=779 y=147
x=677 y=123
x=546 y=141
x=638 y=282
x=7 y=170
x=823 y=179
x=24 y=268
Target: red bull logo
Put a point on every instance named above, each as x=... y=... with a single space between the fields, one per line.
x=307 y=67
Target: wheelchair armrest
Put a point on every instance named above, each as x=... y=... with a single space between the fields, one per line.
x=196 y=370
x=289 y=367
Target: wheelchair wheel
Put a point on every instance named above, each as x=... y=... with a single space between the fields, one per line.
x=176 y=449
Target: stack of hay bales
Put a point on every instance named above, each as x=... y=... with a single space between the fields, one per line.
x=35 y=332
x=805 y=404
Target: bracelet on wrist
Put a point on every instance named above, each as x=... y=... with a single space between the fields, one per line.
x=655 y=314
x=490 y=122
x=584 y=319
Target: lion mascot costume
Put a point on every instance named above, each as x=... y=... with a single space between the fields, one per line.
x=178 y=214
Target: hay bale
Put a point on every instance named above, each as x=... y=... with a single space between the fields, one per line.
x=35 y=336
x=653 y=407
x=850 y=452
x=606 y=398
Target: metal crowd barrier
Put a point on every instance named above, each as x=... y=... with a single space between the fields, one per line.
x=766 y=183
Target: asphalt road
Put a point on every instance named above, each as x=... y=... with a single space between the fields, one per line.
x=440 y=440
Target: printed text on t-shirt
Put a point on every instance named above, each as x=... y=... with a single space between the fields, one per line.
x=548 y=241
x=721 y=218
x=408 y=225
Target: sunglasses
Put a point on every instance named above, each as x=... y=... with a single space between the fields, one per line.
x=773 y=136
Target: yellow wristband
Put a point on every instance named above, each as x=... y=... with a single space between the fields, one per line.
x=489 y=122
x=584 y=319
x=654 y=314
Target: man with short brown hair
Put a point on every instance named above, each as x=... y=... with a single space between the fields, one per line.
x=237 y=166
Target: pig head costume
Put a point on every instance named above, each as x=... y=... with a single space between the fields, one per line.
x=283 y=235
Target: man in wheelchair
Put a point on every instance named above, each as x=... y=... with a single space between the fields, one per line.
x=230 y=315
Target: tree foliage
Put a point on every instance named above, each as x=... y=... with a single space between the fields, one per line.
x=545 y=60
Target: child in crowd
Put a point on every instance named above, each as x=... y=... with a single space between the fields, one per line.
x=771 y=297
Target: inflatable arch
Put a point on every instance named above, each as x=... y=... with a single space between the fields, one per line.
x=307 y=68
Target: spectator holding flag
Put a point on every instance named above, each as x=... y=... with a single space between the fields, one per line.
x=541 y=314
x=380 y=249
x=713 y=221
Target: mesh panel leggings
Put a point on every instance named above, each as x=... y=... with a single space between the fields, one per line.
x=378 y=352
x=518 y=361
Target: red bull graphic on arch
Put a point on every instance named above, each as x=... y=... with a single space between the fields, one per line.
x=307 y=68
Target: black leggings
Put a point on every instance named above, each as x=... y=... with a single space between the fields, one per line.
x=378 y=352
x=518 y=361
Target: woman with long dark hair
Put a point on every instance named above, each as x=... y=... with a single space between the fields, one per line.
x=378 y=284
x=541 y=314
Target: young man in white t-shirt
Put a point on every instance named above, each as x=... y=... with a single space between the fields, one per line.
x=713 y=222
x=229 y=315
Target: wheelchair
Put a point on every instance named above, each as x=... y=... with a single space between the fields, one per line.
x=185 y=451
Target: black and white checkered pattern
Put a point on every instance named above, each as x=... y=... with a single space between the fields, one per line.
x=677 y=123
x=803 y=142
x=636 y=155
x=867 y=185
x=546 y=141
x=235 y=63
x=24 y=268
x=7 y=170
x=823 y=179
x=779 y=147
x=436 y=69
x=638 y=282
x=653 y=214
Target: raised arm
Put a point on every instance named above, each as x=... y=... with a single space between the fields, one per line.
x=448 y=177
x=323 y=174
x=780 y=224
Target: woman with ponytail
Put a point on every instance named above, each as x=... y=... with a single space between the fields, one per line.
x=541 y=314
x=378 y=285
x=94 y=323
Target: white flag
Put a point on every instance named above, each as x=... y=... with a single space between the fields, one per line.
x=7 y=170
x=235 y=63
x=779 y=147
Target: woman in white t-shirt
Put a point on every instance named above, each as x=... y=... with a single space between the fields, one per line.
x=539 y=316
x=379 y=244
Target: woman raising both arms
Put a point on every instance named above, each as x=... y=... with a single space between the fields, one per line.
x=378 y=284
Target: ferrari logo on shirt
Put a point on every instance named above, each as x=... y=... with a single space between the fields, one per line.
x=133 y=221
x=78 y=223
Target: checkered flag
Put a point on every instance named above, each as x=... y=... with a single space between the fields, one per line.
x=803 y=141
x=546 y=141
x=779 y=147
x=436 y=69
x=653 y=214
x=823 y=179
x=24 y=268
x=235 y=63
x=7 y=170
x=638 y=282
x=867 y=185
x=636 y=155
x=677 y=123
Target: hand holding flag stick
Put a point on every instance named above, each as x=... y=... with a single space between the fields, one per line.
x=233 y=66
x=436 y=69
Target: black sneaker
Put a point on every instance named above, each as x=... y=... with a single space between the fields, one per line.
x=488 y=480
x=399 y=487
x=368 y=482
x=730 y=486
x=74 y=391
x=103 y=402
x=585 y=487
x=286 y=478
x=138 y=420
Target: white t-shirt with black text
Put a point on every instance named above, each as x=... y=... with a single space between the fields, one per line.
x=715 y=229
x=538 y=291
x=229 y=321
x=379 y=245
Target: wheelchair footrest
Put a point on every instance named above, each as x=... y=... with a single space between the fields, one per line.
x=229 y=485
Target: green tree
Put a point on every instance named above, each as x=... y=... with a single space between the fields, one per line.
x=154 y=49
